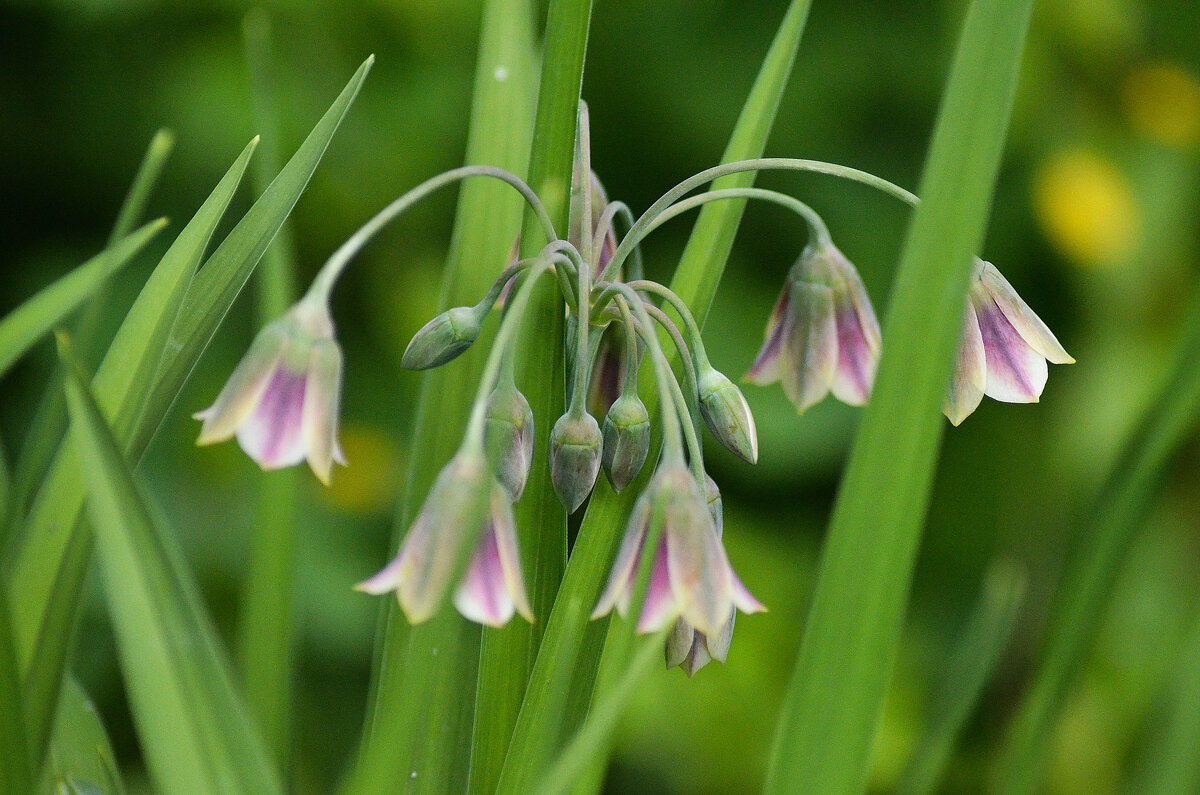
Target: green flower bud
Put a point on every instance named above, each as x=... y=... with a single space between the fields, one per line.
x=626 y=440
x=510 y=437
x=727 y=415
x=443 y=338
x=575 y=452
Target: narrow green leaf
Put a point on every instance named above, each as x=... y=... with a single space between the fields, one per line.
x=226 y=271
x=266 y=619
x=80 y=754
x=967 y=670
x=148 y=173
x=419 y=716
x=29 y=322
x=827 y=724
x=15 y=761
x=1170 y=763
x=50 y=419
x=1102 y=541
x=561 y=684
x=50 y=556
x=196 y=733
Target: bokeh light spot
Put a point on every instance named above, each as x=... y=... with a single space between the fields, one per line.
x=368 y=484
x=1086 y=208
x=1162 y=102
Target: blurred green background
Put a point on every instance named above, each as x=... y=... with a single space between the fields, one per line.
x=1094 y=224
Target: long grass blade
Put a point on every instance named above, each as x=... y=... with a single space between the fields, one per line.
x=419 y=717
x=827 y=724
x=266 y=619
x=193 y=727
x=49 y=558
x=967 y=670
x=16 y=774
x=563 y=678
x=32 y=320
x=81 y=757
x=50 y=419
x=1103 y=539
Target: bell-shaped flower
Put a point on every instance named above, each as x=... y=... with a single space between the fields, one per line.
x=282 y=399
x=465 y=503
x=822 y=335
x=1004 y=349
x=686 y=646
x=690 y=573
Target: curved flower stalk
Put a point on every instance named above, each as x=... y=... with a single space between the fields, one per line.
x=822 y=336
x=1004 y=349
x=282 y=399
x=690 y=577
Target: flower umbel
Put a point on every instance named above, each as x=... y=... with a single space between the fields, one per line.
x=282 y=399
x=822 y=335
x=465 y=505
x=1004 y=349
x=691 y=576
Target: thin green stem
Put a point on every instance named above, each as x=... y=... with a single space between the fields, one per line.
x=689 y=322
x=333 y=268
x=820 y=232
x=689 y=367
x=640 y=227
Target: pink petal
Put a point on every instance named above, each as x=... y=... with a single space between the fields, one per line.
x=386 y=580
x=272 y=435
x=858 y=351
x=810 y=348
x=1031 y=328
x=244 y=388
x=483 y=597
x=505 y=535
x=1016 y=373
x=661 y=607
x=969 y=379
x=620 y=581
x=742 y=598
x=699 y=574
x=768 y=366
x=321 y=407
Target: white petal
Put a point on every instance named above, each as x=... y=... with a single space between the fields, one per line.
x=1031 y=328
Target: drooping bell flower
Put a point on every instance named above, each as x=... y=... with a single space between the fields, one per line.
x=822 y=335
x=687 y=647
x=282 y=400
x=691 y=577
x=1004 y=349
x=465 y=502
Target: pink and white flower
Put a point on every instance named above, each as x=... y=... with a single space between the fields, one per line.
x=690 y=577
x=465 y=503
x=1004 y=349
x=822 y=335
x=282 y=400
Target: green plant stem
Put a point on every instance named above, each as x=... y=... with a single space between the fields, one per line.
x=1102 y=543
x=827 y=724
x=267 y=615
x=421 y=707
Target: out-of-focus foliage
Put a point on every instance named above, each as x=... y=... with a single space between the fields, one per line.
x=1093 y=224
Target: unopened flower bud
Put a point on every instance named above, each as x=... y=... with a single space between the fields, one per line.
x=626 y=439
x=510 y=437
x=575 y=453
x=727 y=415
x=443 y=338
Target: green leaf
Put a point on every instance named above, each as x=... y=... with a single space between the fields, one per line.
x=827 y=724
x=1102 y=541
x=50 y=420
x=26 y=324
x=419 y=716
x=266 y=618
x=50 y=557
x=80 y=754
x=561 y=684
x=193 y=727
x=15 y=770
x=967 y=670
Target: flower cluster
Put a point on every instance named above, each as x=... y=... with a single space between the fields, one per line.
x=671 y=570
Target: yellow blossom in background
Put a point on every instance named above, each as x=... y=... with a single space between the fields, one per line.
x=1085 y=207
x=1162 y=102
x=370 y=481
